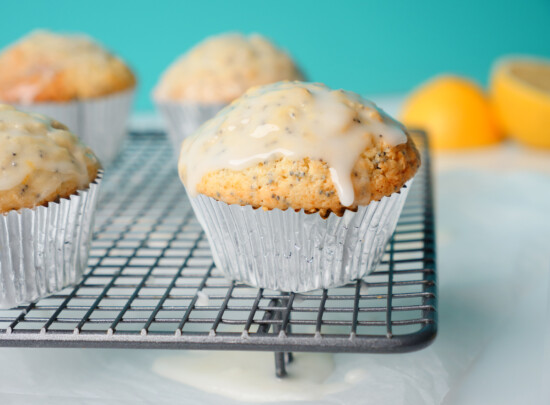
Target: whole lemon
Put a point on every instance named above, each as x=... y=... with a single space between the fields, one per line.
x=520 y=91
x=454 y=112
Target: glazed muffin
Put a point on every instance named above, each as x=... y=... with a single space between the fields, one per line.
x=48 y=191
x=222 y=68
x=73 y=79
x=328 y=169
x=45 y=66
x=214 y=73
x=41 y=161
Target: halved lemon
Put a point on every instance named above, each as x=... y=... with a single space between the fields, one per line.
x=520 y=92
x=454 y=111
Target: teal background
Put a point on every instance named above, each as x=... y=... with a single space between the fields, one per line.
x=366 y=46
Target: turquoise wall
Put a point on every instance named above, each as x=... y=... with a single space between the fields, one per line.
x=366 y=46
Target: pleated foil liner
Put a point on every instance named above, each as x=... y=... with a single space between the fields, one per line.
x=45 y=249
x=182 y=119
x=101 y=123
x=295 y=251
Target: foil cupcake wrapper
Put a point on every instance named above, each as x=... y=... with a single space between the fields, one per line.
x=100 y=123
x=182 y=119
x=295 y=251
x=44 y=249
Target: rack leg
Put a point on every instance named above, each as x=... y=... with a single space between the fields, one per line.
x=289 y=357
x=281 y=361
x=280 y=364
x=281 y=358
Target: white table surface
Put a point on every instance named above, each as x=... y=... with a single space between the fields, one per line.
x=493 y=347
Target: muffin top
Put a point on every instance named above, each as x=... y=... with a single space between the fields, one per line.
x=222 y=68
x=45 y=66
x=40 y=161
x=301 y=146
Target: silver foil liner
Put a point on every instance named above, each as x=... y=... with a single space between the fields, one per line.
x=182 y=119
x=295 y=251
x=44 y=249
x=100 y=123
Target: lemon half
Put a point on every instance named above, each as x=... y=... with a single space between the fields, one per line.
x=520 y=91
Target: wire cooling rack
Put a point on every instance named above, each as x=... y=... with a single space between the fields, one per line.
x=152 y=283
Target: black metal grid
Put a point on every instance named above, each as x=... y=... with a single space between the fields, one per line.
x=152 y=283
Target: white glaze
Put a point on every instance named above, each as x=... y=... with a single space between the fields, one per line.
x=250 y=376
x=202 y=299
x=31 y=142
x=289 y=119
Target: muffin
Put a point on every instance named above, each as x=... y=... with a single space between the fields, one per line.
x=298 y=186
x=73 y=79
x=214 y=73
x=48 y=191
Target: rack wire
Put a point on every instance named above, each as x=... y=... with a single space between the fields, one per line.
x=152 y=283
